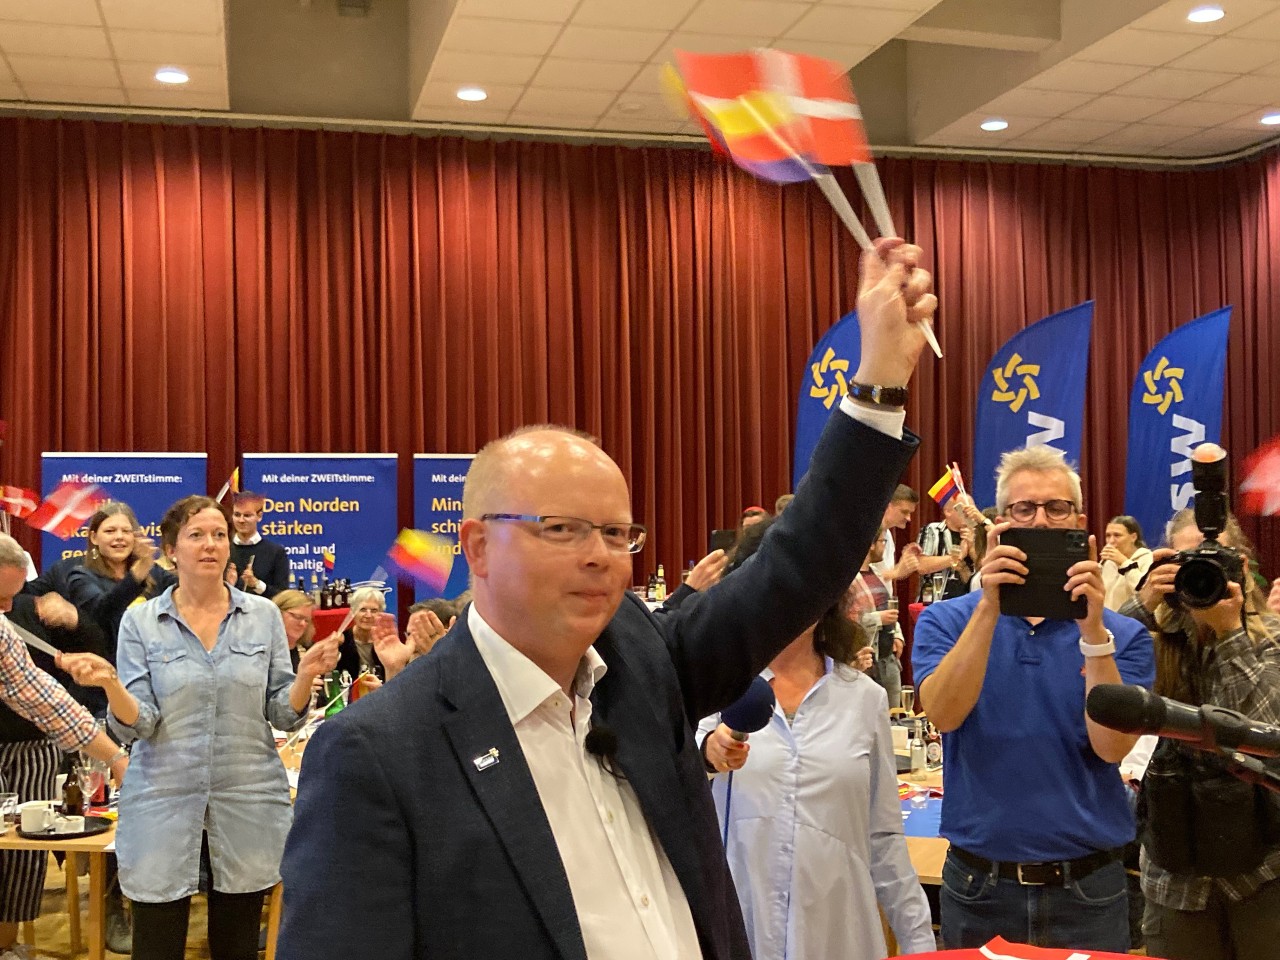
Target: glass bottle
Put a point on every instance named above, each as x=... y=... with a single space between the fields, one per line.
x=660 y=585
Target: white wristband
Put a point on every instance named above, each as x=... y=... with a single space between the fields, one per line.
x=1099 y=649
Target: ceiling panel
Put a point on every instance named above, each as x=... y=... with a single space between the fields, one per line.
x=164 y=48
x=540 y=11
x=38 y=40
x=587 y=43
x=1172 y=16
x=179 y=16
x=1251 y=90
x=571 y=103
x=1166 y=82
x=1030 y=102
x=83 y=12
x=1079 y=76
x=500 y=37
x=585 y=74
x=629 y=15
x=1122 y=109
x=61 y=93
x=68 y=71
x=483 y=68
x=836 y=24
x=1143 y=47
x=766 y=18
x=1229 y=55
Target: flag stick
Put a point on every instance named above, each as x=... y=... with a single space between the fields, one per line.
x=872 y=191
x=955 y=471
x=835 y=196
x=223 y=492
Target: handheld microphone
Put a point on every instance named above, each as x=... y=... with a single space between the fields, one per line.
x=751 y=711
x=1134 y=709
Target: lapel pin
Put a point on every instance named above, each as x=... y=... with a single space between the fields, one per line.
x=486 y=760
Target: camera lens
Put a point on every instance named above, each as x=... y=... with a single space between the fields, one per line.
x=1200 y=582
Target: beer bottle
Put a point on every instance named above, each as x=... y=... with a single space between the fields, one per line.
x=932 y=747
x=660 y=585
x=72 y=796
x=919 y=760
x=315 y=590
x=333 y=694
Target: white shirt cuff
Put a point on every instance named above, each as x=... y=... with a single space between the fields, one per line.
x=890 y=422
x=259 y=587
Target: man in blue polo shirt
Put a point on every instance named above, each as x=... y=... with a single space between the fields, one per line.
x=1035 y=808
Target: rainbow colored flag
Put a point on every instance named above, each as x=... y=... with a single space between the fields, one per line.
x=329 y=558
x=945 y=488
x=423 y=557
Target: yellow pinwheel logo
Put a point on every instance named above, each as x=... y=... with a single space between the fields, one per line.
x=1018 y=394
x=1163 y=395
x=829 y=393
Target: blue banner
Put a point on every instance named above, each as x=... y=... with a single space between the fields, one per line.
x=822 y=386
x=1032 y=394
x=343 y=502
x=437 y=506
x=148 y=482
x=1176 y=405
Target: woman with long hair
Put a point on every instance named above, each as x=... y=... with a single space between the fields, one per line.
x=1211 y=842
x=119 y=569
x=203 y=677
x=1125 y=560
x=811 y=818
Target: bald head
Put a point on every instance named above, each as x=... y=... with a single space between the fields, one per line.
x=12 y=554
x=528 y=451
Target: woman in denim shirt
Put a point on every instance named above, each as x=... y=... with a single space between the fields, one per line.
x=204 y=674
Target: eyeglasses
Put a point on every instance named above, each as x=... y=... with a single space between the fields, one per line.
x=572 y=531
x=1024 y=511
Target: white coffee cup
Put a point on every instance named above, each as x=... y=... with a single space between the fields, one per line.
x=68 y=825
x=36 y=815
x=59 y=782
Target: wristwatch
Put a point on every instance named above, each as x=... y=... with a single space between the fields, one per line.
x=1099 y=649
x=880 y=396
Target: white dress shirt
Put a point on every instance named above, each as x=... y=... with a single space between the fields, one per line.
x=629 y=901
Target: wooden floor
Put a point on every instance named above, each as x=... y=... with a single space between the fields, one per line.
x=53 y=937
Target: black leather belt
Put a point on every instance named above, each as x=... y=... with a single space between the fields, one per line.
x=1053 y=873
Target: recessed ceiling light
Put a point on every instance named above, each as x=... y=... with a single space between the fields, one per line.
x=994 y=125
x=1270 y=119
x=171 y=75
x=472 y=94
x=1206 y=14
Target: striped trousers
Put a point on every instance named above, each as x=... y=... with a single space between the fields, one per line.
x=28 y=769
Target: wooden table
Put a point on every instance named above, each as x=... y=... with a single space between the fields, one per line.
x=927 y=853
x=96 y=849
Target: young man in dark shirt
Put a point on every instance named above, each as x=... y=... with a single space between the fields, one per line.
x=261 y=565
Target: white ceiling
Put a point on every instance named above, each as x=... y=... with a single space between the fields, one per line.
x=106 y=52
x=1129 y=78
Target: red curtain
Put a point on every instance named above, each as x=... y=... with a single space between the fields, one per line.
x=231 y=290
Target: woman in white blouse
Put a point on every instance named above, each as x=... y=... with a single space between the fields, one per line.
x=814 y=826
x=1125 y=561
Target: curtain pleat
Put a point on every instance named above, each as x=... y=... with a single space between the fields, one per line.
x=182 y=287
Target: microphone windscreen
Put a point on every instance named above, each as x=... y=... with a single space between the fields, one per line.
x=751 y=711
x=1125 y=707
x=601 y=742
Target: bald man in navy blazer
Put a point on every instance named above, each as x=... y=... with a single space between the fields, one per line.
x=532 y=788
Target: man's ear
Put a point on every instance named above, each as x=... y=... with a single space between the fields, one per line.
x=474 y=537
x=1082 y=522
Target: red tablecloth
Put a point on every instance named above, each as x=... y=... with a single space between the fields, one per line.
x=327 y=621
x=1002 y=950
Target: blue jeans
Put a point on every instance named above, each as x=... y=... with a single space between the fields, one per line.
x=1089 y=913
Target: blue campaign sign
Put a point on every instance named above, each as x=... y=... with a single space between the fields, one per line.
x=148 y=482
x=437 y=506
x=823 y=384
x=341 y=502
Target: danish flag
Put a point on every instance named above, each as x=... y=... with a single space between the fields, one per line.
x=1001 y=949
x=18 y=501
x=66 y=509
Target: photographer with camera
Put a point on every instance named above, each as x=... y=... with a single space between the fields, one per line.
x=1211 y=842
x=1035 y=809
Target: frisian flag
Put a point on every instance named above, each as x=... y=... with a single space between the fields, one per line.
x=944 y=489
x=766 y=106
x=423 y=557
x=67 y=508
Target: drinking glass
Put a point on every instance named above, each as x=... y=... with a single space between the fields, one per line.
x=92 y=775
x=939 y=585
x=908 y=695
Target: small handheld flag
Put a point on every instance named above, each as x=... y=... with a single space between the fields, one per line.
x=1260 y=490
x=66 y=509
x=18 y=501
x=232 y=485
x=423 y=558
x=945 y=488
x=329 y=559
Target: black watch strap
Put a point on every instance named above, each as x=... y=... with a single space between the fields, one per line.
x=881 y=396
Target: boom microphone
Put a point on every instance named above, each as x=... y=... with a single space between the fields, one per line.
x=1134 y=709
x=751 y=711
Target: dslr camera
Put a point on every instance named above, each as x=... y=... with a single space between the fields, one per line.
x=1205 y=572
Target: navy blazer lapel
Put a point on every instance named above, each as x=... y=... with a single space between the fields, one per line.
x=506 y=789
x=646 y=756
